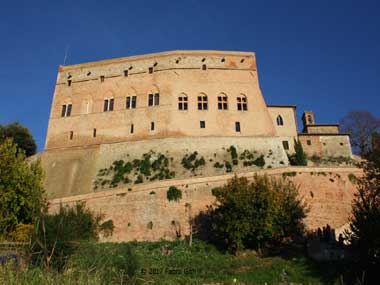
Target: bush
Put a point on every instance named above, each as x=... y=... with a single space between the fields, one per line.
x=113 y=263
x=57 y=235
x=234 y=155
x=174 y=194
x=299 y=157
x=254 y=214
x=191 y=162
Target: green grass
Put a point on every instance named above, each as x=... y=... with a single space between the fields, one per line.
x=176 y=263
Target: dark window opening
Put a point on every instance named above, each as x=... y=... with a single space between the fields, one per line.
x=63 y=113
x=132 y=128
x=152 y=126
x=242 y=103
x=108 y=105
x=242 y=60
x=154 y=99
x=202 y=124
x=102 y=78
x=203 y=59
x=308 y=142
x=285 y=144
x=131 y=102
x=202 y=102
x=89 y=73
x=150 y=69
x=94 y=133
x=222 y=102
x=204 y=67
x=182 y=103
x=341 y=144
x=237 y=127
x=155 y=64
x=71 y=135
x=66 y=110
x=69 y=82
x=280 y=121
x=126 y=73
x=223 y=60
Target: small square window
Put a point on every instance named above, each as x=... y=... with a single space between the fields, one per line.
x=237 y=127
x=126 y=73
x=341 y=144
x=102 y=78
x=202 y=124
x=204 y=66
x=308 y=142
x=150 y=69
x=285 y=144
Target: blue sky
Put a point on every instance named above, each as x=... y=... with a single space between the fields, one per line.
x=320 y=55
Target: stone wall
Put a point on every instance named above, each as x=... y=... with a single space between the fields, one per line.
x=326 y=145
x=144 y=213
x=73 y=171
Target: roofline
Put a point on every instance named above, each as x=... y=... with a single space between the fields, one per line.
x=324 y=134
x=282 y=106
x=322 y=125
x=154 y=55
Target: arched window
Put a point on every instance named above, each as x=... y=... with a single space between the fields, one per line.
x=242 y=104
x=108 y=104
x=66 y=110
x=182 y=102
x=154 y=97
x=280 y=121
x=202 y=102
x=222 y=102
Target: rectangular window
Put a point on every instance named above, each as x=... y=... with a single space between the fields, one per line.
x=132 y=128
x=111 y=105
x=202 y=124
x=63 y=113
x=222 y=103
x=126 y=73
x=66 y=110
x=204 y=66
x=102 y=78
x=202 y=102
x=108 y=105
x=94 y=133
x=152 y=126
x=131 y=102
x=182 y=103
x=154 y=99
x=237 y=127
x=242 y=103
x=68 y=82
x=285 y=144
x=71 y=135
x=308 y=142
x=150 y=69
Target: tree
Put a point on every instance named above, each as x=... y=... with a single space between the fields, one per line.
x=360 y=125
x=21 y=190
x=299 y=157
x=364 y=232
x=21 y=137
x=253 y=214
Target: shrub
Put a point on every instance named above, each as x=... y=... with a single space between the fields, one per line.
x=299 y=157
x=234 y=155
x=218 y=165
x=228 y=166
x=113 y=263
x=174 y=194
x=289 y=174
x=260 y=161
x=56 y=236
x=191 y=162
x=253 y=214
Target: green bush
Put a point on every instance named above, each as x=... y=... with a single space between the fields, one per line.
x=113 y=263
x=299 y=157
x=57 y=234
x=254 y=214
x=228 y=166
x=191 y=162
x=174 y=194
x=234 y=155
